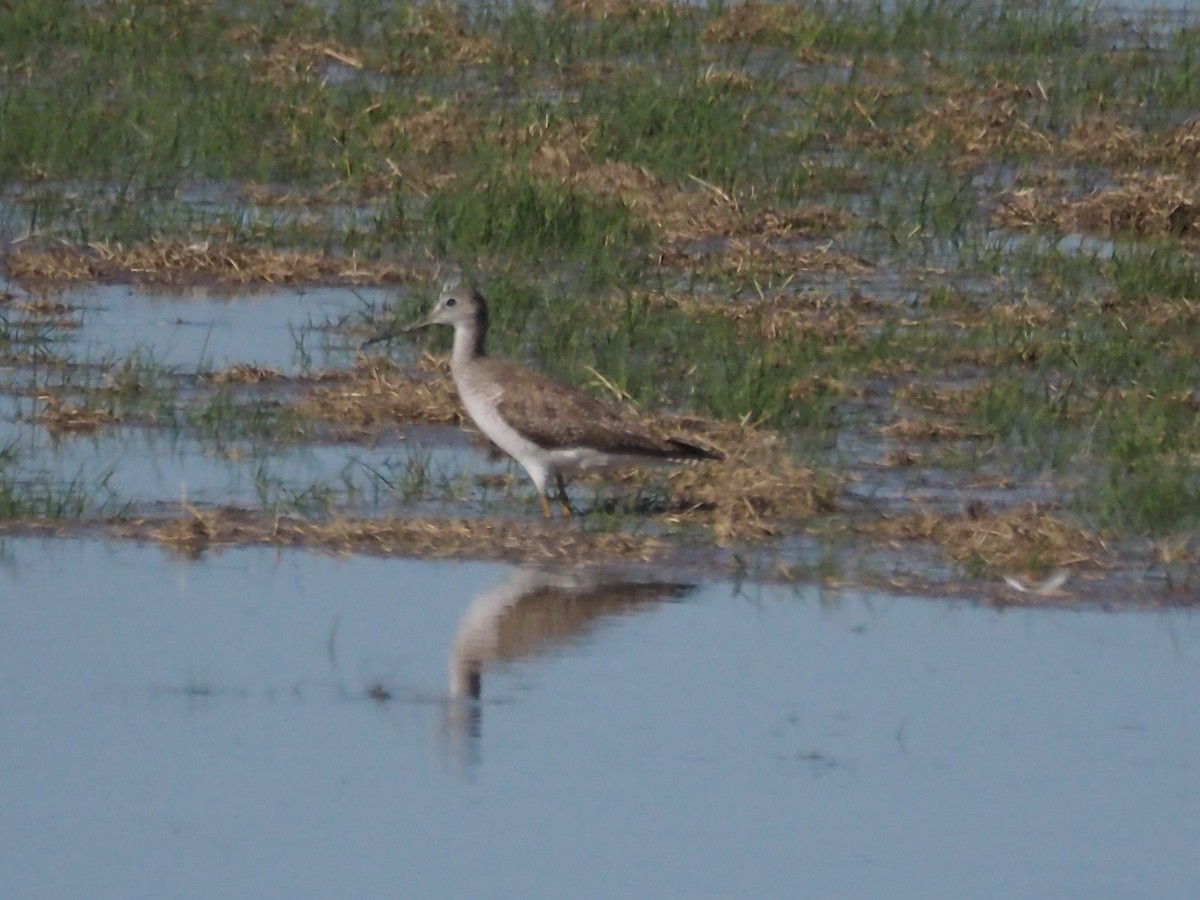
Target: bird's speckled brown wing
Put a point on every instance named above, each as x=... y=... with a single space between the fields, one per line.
x=554 y=415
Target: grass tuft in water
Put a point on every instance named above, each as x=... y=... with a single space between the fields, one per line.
x=498 y=213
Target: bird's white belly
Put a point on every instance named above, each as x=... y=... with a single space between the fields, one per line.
x=539 y=462
x=499 y=432
x=572 y=460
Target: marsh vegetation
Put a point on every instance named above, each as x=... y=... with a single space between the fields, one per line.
x=926 y=271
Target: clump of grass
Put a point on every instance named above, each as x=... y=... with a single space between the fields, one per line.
x=764 y=24
x=500 y=212
x=1016 y=32
x=226 y=415
x=376 y=395
x=1155 y=495
x=281 y=497
x=1142 y=205
x=197 y=530
x=1141 y=274
x=61 y=417
x=677 y=127
x=577 y=32
x=36 y=495
x=760 y=489
x=84 y=395
x=1026 y=539
x=1151 y=480
x=25 y=339
x=175 y=262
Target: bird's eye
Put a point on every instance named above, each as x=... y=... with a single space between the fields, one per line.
x=450 y=301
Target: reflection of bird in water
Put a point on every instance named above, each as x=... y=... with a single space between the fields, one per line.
x=536 y=610
x=532 y=613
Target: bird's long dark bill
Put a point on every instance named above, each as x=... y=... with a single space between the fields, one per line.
x=395 y=332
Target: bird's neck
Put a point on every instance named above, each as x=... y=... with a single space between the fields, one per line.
x=468 y=343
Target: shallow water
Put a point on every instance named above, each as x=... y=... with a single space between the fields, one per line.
x=283 y=330
x=294 y=331
x=200 y=729
x=146 y=467
x=291 y=331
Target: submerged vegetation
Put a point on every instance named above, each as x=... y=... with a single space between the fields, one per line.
x=856 y=243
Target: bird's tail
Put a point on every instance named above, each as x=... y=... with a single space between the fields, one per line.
x=685 y=450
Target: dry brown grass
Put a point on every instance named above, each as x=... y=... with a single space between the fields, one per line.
x=805 y=315
x=809 y=316
x=695 y=211
x=1022 y=539
x=44 y=310
x=376 y=393
x=1108 y=139
x=245 y=374
x=1183 y=142
x=755 y=22
x=435 y=37
x=292 y=59
x=759 y=490
x=1105 y=138
x=61 y=418
x=418 y=148
x=172 y=262
x=703 y=211
x=439 y=32
x=1143 y=204
x=757 y=260
x=196 y=531
x=980 y=123
x=623 y=10
x=441 y=128
x=973 y=121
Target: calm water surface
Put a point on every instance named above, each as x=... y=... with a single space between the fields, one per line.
x=283 y=330
x=267 y=724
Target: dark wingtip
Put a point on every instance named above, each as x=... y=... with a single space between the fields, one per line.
x=688 y=450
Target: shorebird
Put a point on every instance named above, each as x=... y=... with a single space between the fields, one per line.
x=554 y=431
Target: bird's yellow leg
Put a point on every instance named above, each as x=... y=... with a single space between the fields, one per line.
x=562 y=497
x=545 y=505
